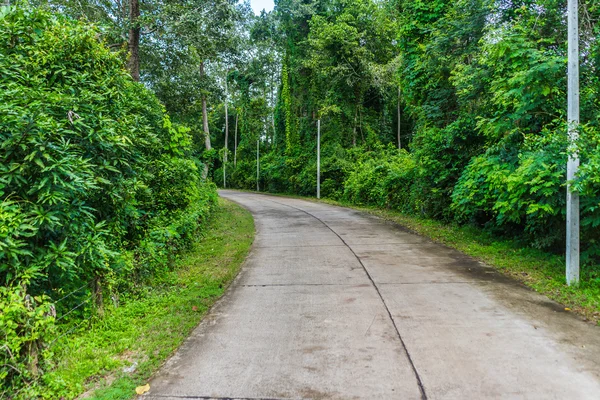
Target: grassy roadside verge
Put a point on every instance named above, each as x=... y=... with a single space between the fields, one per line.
x=543 y=272
x=122 y=350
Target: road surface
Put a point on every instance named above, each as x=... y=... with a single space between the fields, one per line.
x=335 y=304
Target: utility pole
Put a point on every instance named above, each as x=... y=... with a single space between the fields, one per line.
x=235 y=140
x=399 y=119
x=318 y=158
x=572 y=250
x=257 y=163
x=226 y=134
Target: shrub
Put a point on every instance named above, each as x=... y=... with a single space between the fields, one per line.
x=523 y=192
x=383 y=179
x=96 y=183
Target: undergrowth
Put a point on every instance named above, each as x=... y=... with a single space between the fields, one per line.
x=112 y=356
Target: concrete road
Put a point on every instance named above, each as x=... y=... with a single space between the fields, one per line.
x=335 y=304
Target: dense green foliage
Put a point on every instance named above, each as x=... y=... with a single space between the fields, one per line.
x=447 y=110
x=473 y=91
x=98 y=188
x=145 y=331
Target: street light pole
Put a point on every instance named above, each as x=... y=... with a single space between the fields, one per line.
x=318 y=159
x=572 y=251
x=257 y=163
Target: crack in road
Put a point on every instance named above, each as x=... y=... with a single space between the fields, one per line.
x=410 y=360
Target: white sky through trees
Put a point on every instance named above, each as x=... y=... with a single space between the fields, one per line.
x=259 y=5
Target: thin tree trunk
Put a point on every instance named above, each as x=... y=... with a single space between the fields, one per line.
x=235 y=141
x=266 y=128
x=33 y=356
x=134 y=40
x=205 y=124
x=274 y=132
x=354 y=129
x=205 y=115
x=206 y=134
x=399 y=120
x=362 y=134
x=98 y=299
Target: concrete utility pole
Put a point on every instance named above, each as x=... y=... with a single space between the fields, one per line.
x=226 y=135
x=318 y=159
x=257 y=163
x=235 y=140
x=573 y=160
x=399 y=119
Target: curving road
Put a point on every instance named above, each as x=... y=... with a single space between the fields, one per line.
x=335 y=304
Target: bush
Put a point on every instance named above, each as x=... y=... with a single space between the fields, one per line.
x=96 y=184
x=26 y=323
x=522 y=193
x=441 y=154
x=383 y=179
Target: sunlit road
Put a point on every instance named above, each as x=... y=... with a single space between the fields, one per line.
x=334 y=304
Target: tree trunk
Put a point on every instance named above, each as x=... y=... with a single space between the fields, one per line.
x=274 y=132
x=134 y=40
x=33 y=358
x=235 y=141
x=98 y=299
x=354 y=129
x=205 y=125
x=205 y=130
x=362 y=134
x=399 y=120
x=205 y=116
x=206 y=134
x=266 y=128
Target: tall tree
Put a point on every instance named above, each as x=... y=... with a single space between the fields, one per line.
x=124 y=23
x=134 y=39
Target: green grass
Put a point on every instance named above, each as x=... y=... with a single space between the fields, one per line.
x=147 y=330
x=542 y=271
